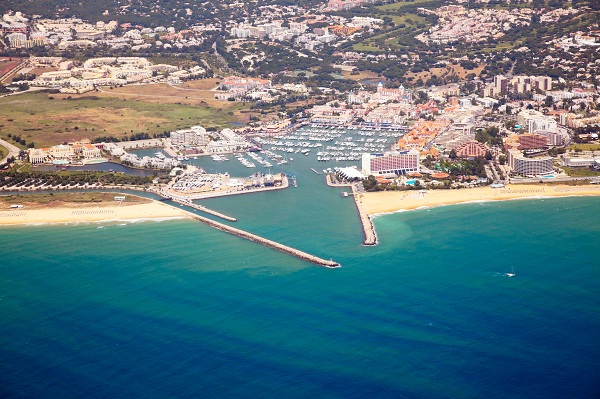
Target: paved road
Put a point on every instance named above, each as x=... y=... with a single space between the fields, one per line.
x=16 y=93
x=12 y=150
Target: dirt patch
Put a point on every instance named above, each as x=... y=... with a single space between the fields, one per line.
x=451 y=70
x=191 y=93
x=360 y=76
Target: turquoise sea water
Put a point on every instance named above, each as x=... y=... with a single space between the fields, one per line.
x=176 y=309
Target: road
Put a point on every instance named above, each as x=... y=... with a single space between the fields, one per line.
x=12 y=150
x=14 y=70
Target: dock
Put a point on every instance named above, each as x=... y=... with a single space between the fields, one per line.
x=268 y=243
x=293 y=179
x=316 y=171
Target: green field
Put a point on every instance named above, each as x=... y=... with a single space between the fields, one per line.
x=400 y=5
x=400 y=36
x=581 y=172
x=3 y=152
x=38 y=118
x=367 y=47
x=410 y=21
x=585 y=147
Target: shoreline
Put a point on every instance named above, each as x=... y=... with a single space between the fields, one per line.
x=66 y=213
x=382 y=203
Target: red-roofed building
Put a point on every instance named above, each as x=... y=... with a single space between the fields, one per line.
x=471 y=149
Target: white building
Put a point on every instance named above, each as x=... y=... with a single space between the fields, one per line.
x=36 y=155
x=195 y=136
x=90 y=151
x=522 y=165
x=535 y=121
x=62 y=151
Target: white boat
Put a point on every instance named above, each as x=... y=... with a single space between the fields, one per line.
x=512 y=273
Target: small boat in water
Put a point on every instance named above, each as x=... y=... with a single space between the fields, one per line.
x=512 y=273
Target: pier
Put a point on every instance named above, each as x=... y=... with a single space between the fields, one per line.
x=316 y=171
x=268 y=243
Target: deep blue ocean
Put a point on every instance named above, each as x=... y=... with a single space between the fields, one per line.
x=176 y=309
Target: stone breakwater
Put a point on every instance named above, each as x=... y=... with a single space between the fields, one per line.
x=365 y=220
x=204 y=209
x=269 y=243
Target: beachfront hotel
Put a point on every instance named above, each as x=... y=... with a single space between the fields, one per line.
x=398 y=163
x=521 y=165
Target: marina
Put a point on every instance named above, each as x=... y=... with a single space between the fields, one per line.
x=196 y=184
x=300 y=149
x=244 y=161
x=330 y=144
x=219 y=158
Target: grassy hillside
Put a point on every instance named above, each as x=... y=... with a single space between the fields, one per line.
x=51 y=119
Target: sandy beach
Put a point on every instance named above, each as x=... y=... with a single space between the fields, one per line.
x=72 y=213
x=391 y=201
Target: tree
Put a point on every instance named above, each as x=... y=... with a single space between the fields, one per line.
x=370 y=184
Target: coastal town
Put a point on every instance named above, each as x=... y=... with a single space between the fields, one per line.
x=458 y=129
x=300 y=199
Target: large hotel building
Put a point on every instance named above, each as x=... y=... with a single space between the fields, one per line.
x=521 y=165
x=399 y=163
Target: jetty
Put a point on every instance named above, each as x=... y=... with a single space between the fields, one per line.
x=268 y=243
x=316 y=171
x=204 y=209
x=365 y=220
